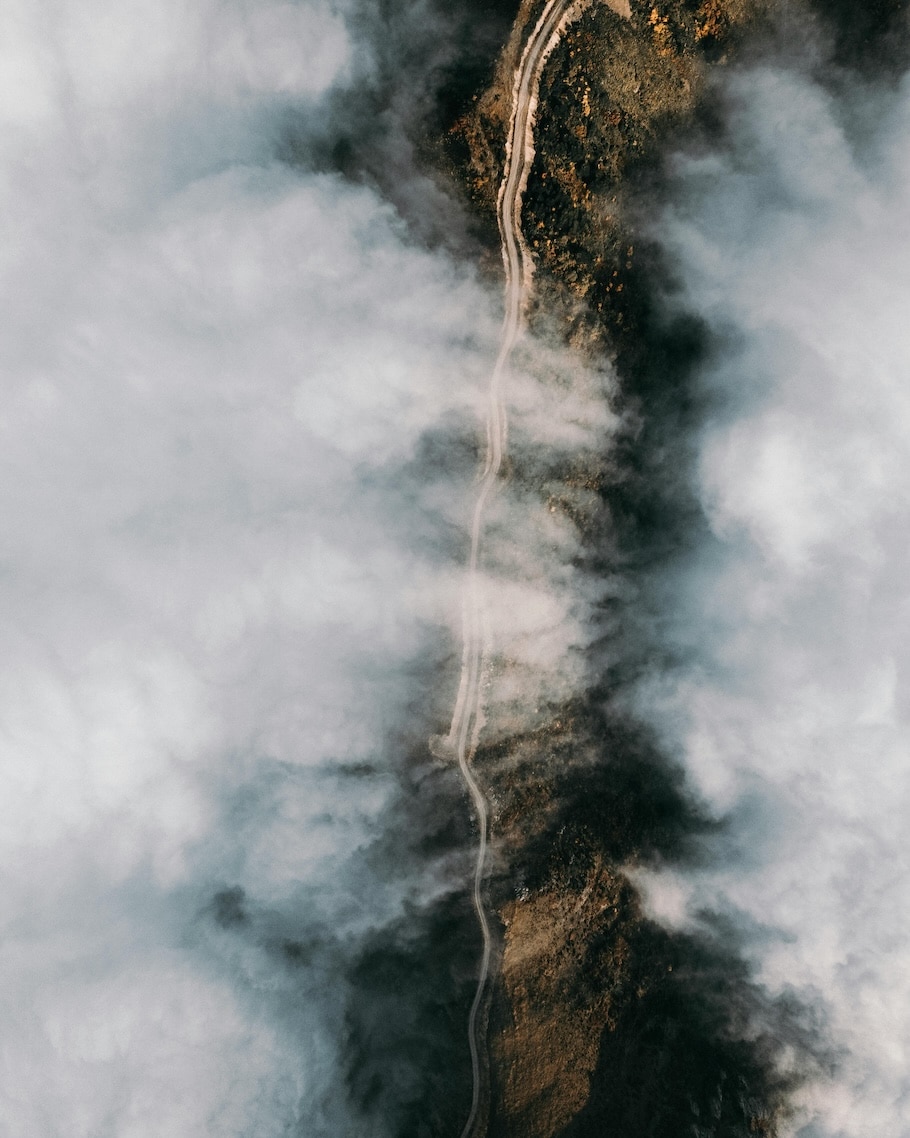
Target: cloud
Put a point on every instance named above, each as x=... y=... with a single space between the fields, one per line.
x=210 y=362
x=790 y=713
x=238 y=437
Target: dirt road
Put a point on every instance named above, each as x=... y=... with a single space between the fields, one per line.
x=467 y=717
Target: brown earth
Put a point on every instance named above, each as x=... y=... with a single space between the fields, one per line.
x=580 y=969
x=549 y=1048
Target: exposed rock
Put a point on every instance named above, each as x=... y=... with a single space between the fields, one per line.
x=589 y=1017
x=550 y=1048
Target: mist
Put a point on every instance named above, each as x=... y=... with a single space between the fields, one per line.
x=787 y=622
x=211 y=608
x=243 y=398
x=245 y=356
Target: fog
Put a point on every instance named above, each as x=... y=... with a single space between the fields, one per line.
x=245 y=354
x=242 y=415
x=207 y=620
x=789 y=621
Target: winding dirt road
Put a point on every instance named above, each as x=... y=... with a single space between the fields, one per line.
x=468 y=714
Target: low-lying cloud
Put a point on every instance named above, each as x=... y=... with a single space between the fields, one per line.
x=790 y=711
x=208 y=360
x=238 y=435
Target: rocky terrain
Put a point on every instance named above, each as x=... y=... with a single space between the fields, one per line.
x=602 y=1023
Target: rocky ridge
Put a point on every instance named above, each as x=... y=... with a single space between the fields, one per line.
x=603 y=1023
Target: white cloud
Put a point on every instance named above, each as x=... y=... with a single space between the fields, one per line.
x=208 y=362
x=798 y=704
x=220 y=556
